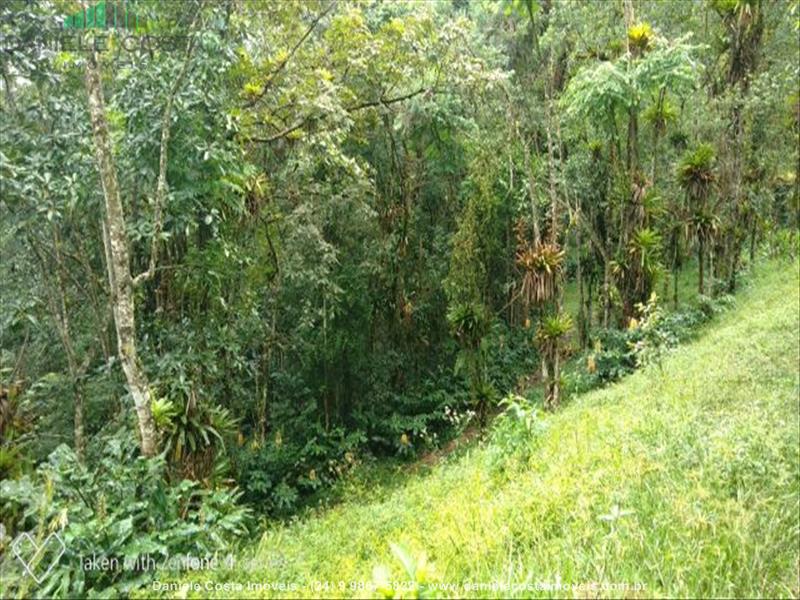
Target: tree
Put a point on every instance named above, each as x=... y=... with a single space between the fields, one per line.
x=469 y=283
x=696 y=176
x=115 y=236
x=115 y=241
x=600 y=94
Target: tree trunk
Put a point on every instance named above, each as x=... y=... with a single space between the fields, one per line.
x=551 y=172
x=712 y=269
x=77 y=422
x=118 y=261
x=734 y=269
x=537 y=236
x=657 y=128
x=75 y=371
x=632 y=155
x=57 y=302
x=633 y=142
x=589 y=305
x=606 y=293
x=700 y=256
x=675 y=285
x=545 y=372
x=582 y=328
x=556 y=394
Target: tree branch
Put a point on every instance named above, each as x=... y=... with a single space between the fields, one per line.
x=161 y=186
x=386 y=101
x=354 y=108
x=292 y=52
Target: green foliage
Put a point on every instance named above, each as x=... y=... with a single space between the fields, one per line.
x=696 y=171
x=469 y=284
x=727 y=8
x=553 y=327
x=655 y=336
x=542 y=267
x=368 y=210
x=669 y=472
x=193 y=437
x=515 y=431
x=661 y=115
x=784 y=243
x=415 y=574
x=278 y=476
x=123 y=508
x=164 y=411
x=650 y=336
x=470 y=323
x=645 y=248
x=598 y=93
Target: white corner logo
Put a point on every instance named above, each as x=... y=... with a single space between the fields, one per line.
x=31 y=555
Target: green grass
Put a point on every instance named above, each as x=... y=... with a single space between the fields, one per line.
x=701 y=458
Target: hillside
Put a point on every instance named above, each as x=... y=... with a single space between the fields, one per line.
x=679 y=481
x=442 y=298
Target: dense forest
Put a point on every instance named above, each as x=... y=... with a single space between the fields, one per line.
x=253 y=249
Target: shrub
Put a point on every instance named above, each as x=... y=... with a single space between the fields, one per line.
x=709 y=307
x=783 y=243
x=122 y=509
x=278 y=475
x=514 y=431
x=617 y=353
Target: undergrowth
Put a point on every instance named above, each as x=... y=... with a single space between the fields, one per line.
x=683 y=479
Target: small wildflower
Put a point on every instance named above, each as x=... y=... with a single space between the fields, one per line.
x=615 y=514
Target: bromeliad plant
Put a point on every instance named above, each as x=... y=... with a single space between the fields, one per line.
x=640 y=38
x=549 y=338
x=696 y=172
x=193 y=439
x=644 y=250
x=541 y=265
x=696 y=175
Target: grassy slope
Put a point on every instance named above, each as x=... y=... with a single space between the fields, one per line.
x=704 y=452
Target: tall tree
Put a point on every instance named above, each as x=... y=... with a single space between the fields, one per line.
x=115 y=240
